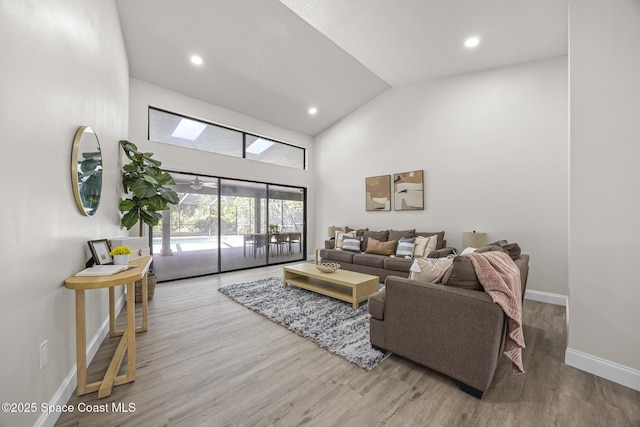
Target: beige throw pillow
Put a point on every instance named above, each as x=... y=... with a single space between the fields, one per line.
x=380 y=248
x=424 y=245
x=429 y=269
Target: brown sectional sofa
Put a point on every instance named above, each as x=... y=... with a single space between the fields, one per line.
x=455 y=329
x=381 y=265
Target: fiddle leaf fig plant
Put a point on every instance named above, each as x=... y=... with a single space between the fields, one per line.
x=143 y=179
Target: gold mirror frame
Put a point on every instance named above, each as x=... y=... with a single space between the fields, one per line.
x=86 y=170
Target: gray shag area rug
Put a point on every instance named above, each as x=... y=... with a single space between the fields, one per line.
x=332 y=324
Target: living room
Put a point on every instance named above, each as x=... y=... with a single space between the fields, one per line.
x=540 y=153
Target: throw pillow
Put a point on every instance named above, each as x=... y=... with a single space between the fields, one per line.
x=439 y=235
x=513 y=249
x=405 y=247
x=429 y=269
x=380 y=248
x=424 y=245
x=351 y=244
x=381 y=236
x=340 y=237
x=462 y=275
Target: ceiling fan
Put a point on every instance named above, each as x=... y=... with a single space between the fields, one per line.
x=196 y=184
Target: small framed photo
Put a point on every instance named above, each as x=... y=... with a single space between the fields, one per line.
x=100 y=251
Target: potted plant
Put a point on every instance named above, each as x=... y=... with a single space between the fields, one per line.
x=120 y=255
x=146 y=183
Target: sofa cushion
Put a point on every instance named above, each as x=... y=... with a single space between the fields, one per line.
x=381 y=236
x=398 y=264
x=440 y=235
x=380 y=248
x=397 y=234
x=429 y=269
x=370 y=260
x=405 y=247
x=336 y=255
x=351 y=244
x=462 y=275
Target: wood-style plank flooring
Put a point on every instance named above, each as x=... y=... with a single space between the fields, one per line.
x=208 y=361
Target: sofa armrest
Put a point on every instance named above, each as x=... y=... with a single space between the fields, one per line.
x=455 y=331
x=441 y=253
x=330 y=244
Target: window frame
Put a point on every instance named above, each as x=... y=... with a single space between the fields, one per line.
x=243 y=133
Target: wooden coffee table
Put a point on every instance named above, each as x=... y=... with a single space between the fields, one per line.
x=341 y=284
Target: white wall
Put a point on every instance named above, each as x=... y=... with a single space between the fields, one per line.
x=143 y=95
x=494 y=149
x=604 y=286
x=63 y=66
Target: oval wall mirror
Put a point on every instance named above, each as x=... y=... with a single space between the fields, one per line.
x=86 y=170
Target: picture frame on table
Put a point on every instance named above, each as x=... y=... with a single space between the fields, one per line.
x=100 y=251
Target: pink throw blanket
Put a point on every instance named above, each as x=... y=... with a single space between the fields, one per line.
x=500 y=278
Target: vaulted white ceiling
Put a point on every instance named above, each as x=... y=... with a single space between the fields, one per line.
x=273 y=59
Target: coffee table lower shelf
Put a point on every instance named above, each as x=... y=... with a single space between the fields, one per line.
x=343 y=285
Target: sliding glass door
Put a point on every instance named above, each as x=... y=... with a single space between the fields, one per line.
x=226 y=224
x=243 y=210
x=186 y=243
x=286 y=223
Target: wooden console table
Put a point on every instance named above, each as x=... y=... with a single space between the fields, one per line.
x=128 y=342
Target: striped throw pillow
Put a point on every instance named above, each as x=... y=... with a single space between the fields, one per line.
x=405 y=247
x=351 y=243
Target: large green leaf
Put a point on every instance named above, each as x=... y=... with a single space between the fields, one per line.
x=143 y=189
x=166 y=179
x=150 y=218
x=130 y=218
x=157 y=203
x=126 y=205
x=150 y=179
x=169 y=195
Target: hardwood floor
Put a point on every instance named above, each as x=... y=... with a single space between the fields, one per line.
x=208 y=361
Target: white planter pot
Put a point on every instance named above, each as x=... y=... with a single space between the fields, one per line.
x=121 y=259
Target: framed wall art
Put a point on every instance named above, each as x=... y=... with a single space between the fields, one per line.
x=100 y=251
x=378 y=190
x=408 y=191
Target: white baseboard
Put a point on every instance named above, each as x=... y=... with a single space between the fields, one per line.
x=65 y=391
x=606 y=369
x=547 y=297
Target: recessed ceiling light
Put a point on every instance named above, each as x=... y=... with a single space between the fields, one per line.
x=196 y=60
x=472 y=42
x=313 y=110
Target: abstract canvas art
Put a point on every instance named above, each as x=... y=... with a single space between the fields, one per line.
x=408 y=191
x=378 y=193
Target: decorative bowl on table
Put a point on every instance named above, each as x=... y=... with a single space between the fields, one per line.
x=327 y=267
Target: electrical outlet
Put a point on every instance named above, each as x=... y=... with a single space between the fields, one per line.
x=42 y=355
